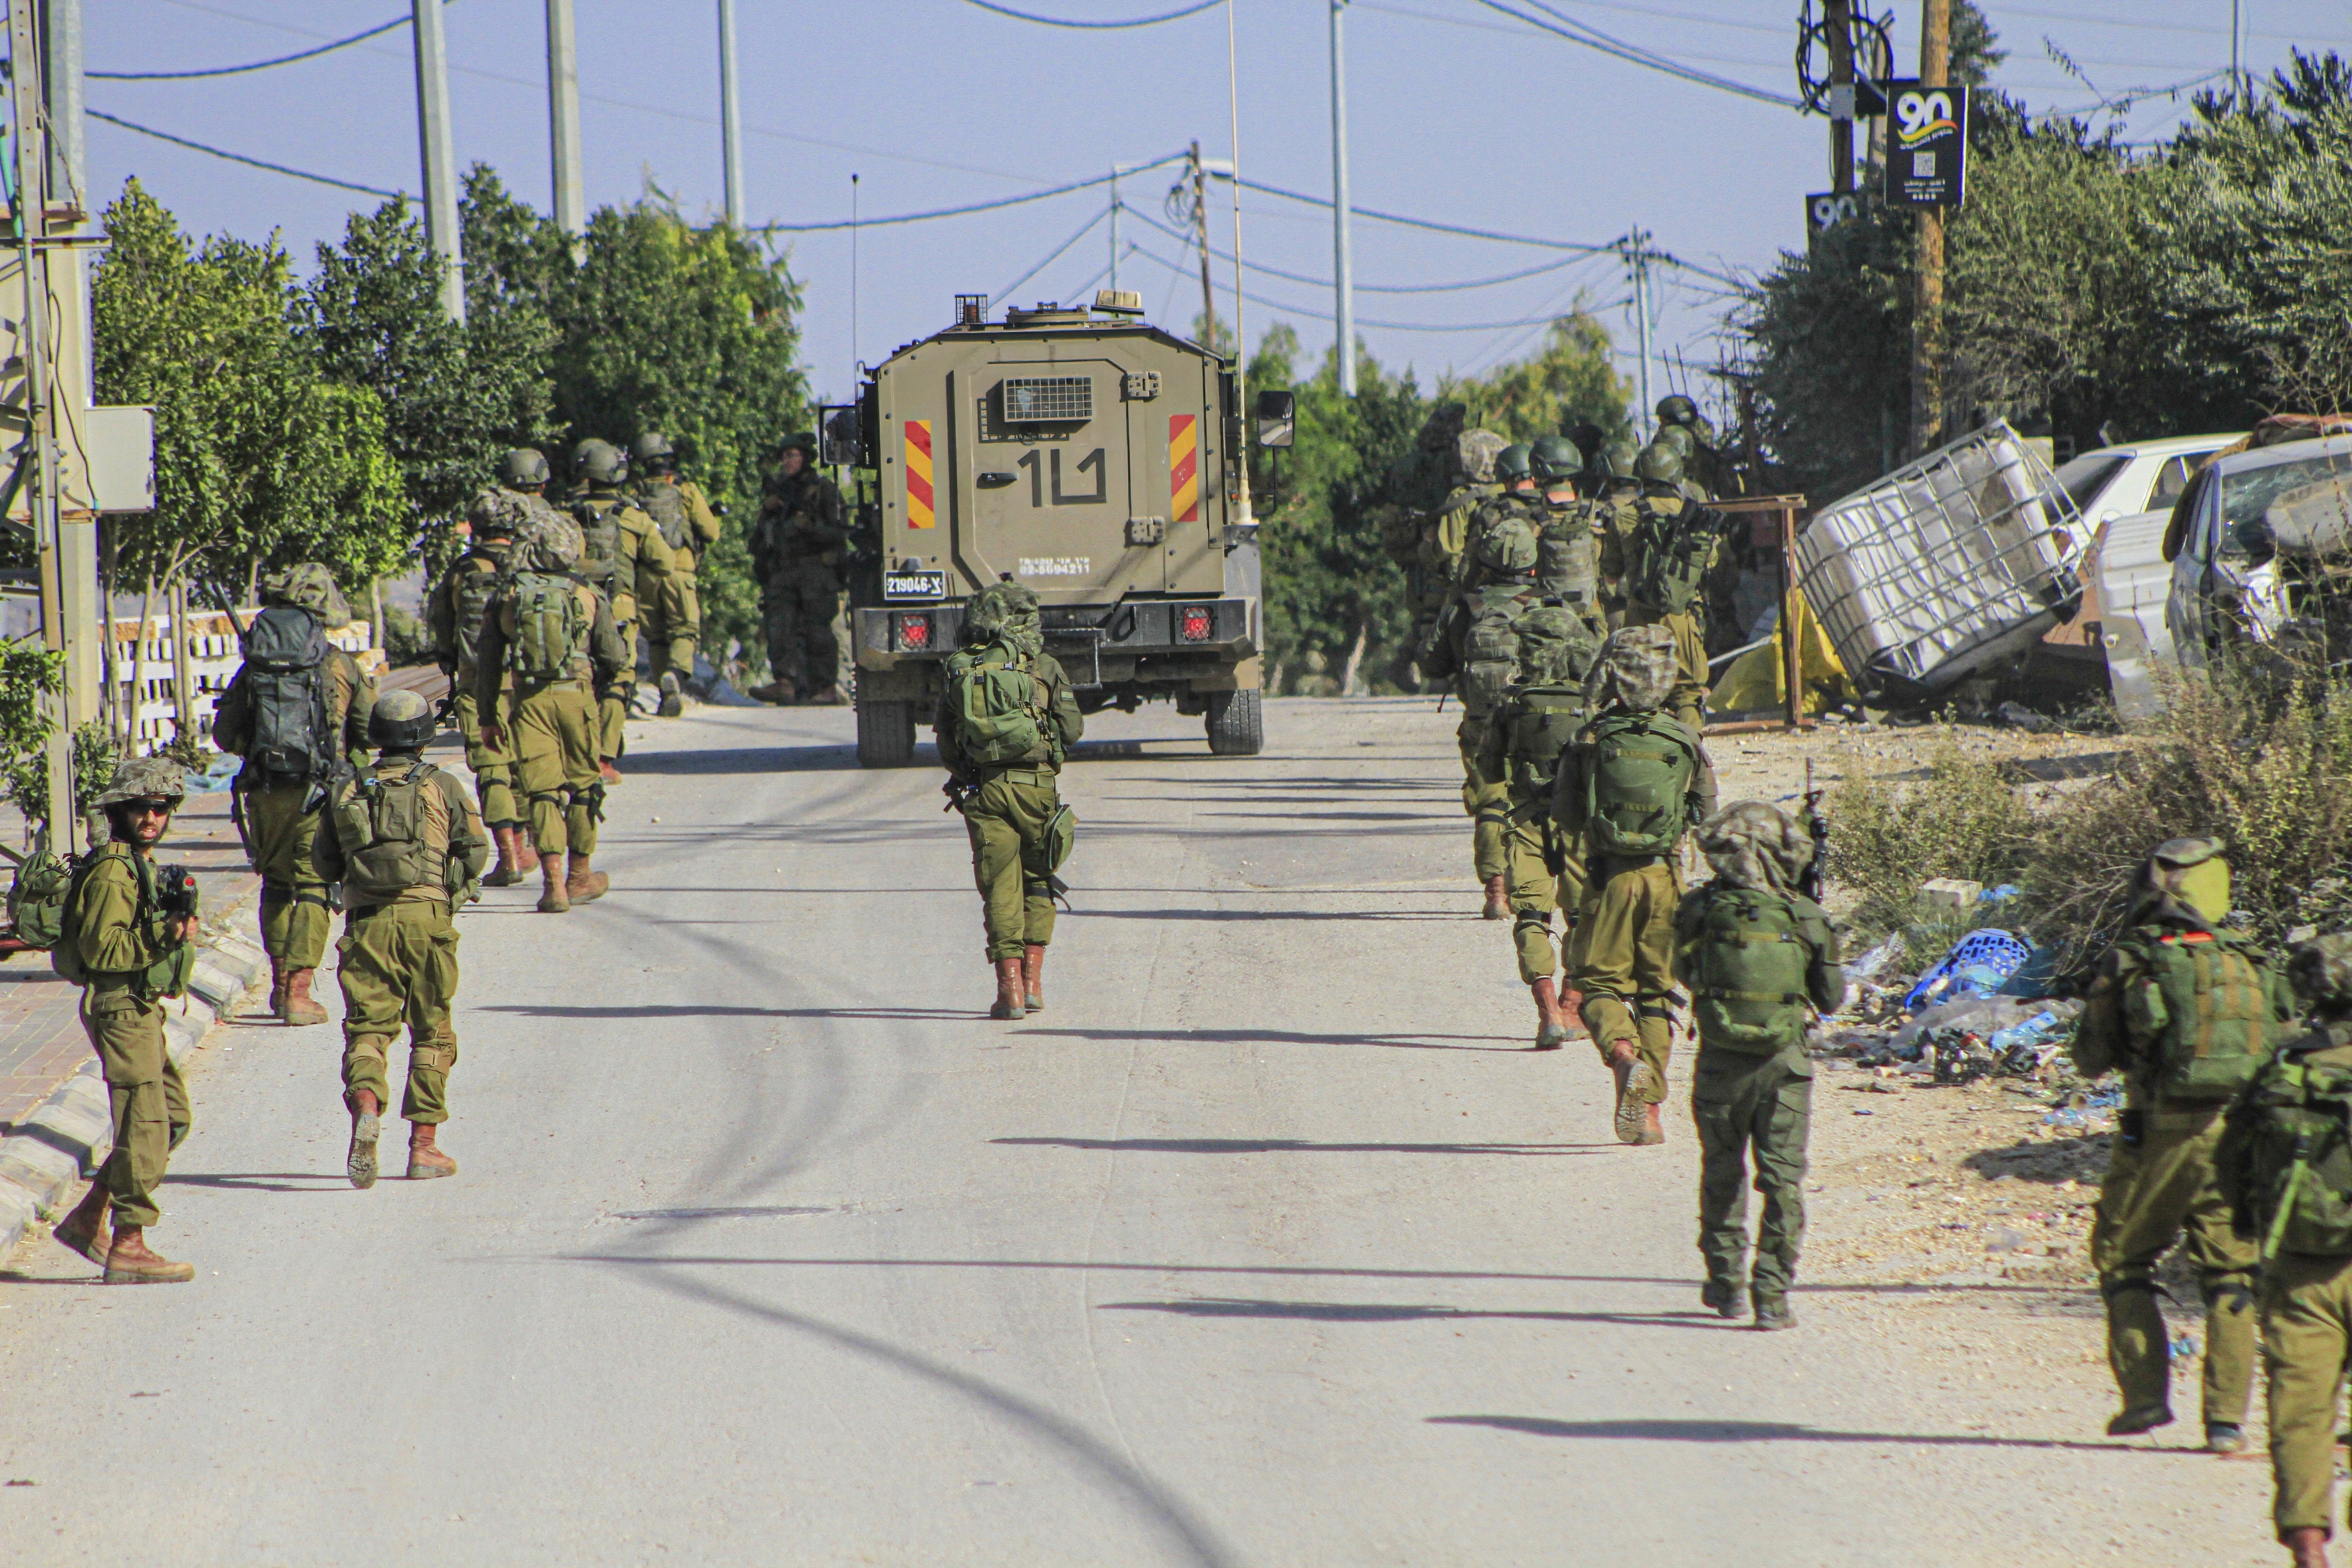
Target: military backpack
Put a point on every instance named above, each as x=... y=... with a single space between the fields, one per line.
x=1490 y=648
x=2298 y=1156
x=2202 y=999
x=600 y=530
x=549 y=639
x=1749 y=984
x=37 y=899
x=286 y=653
x=1637 y=784
x=1566 y=564
x=998 y=707
x=1671 y=553
x=472 y=589
x=168 y=974
x=662 y=502
x=1544 y=720
x=382 y=822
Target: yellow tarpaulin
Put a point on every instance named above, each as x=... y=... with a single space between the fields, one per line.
x=1754 y=681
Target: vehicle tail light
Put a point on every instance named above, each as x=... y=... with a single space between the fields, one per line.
x=914 y=633
x=1196 y=623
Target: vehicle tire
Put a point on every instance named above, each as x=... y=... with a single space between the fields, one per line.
x=885 y=734
x=1236 y=723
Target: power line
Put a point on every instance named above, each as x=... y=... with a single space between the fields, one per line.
x=1592 y=37
x=1055 y=254
x=241 y=158
x=1649 y=11
x=1362 y=321
x=256 y=65
x=963 y=211
x=1097 y=27
x=1312 y=282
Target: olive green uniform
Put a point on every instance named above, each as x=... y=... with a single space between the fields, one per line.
x=1485 y=797
x=796 y=549
x=673 y=614
x=282 y=820
x=2160 y=1189
x=1008 y=815
x=398 y=958
x=557 y=731
x=1542 y=871
x=467 y=582
x=627 y=557
x=1688 y=701
x=118 y=939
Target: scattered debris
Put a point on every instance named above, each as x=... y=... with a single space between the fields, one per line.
x=1978 y=965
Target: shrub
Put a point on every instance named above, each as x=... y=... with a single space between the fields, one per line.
x=1962 y=819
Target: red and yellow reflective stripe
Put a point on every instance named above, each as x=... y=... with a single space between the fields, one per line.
x=1183 y=469
x=918 y=475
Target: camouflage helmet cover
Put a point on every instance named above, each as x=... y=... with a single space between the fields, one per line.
x=1622 y=455
x=2184 y=877
x=804 y=439
x=994 y=605
x=523 y=466
x=1556 y=646
x=497 y=513
x=651 y=447
x=1634 y=671
x=310 y=587
x=548 y=541
x=1474 y=452
x=1514 y=462
x=1674 y=409
x=599 y=462
x=2321 y=971
x=402 y=721
x=1555 y=457
x=146 y=779
x=1754 y=845
x=1507 y=547
x=1660 y=463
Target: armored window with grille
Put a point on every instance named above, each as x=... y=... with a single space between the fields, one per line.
x=1048 y=399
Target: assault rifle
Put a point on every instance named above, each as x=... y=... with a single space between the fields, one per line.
x=1809 y=883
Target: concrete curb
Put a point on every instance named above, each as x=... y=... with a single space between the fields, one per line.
x=69 y=1135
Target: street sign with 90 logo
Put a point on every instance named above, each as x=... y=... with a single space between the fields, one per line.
x=1927 y=145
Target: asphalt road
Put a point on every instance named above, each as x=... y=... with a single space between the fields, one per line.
x=1266 y=1244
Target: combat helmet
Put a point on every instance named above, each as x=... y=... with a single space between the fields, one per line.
x=804 y=439
x=402 y=721
x=310 y=587
x=146 y=779
x=1474 y=453
x=1634 y=671
x=1555 y=458
x=548 y=541
x=1660 y=463
x=2320 y=972
x=1680 y=438
x=1620 y=455
x=1514 y=462
x=522 y=467
x=994 y=605
x=652 y=452
x=599 y=462
x=1674 y=409
x=1753 y=845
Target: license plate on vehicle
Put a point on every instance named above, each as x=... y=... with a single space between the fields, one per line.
x=913 y=585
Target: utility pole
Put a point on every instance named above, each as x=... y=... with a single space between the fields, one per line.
x=730 y=116
x=1928 y=301
x=440 y=157
x=73 y=356
x=1838 y=17
x=1240 y=335
x=1637 y=253
x=1201 y=223
x=2237 y=75
x=1343 y=261
x=1114 y=228
x=563 y=117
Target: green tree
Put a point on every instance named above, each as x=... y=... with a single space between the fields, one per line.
x=1567 y=381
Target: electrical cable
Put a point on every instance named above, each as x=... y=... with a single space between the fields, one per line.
x=241 y=158
x=1055 y=254
x=1096 y=27
x=963 y=211
x=256 y=65
x=1362 y=321
x=1369 y=287
x=1592 y=37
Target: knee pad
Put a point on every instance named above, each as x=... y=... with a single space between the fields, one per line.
x=2233 y=1289
x=432 y=1059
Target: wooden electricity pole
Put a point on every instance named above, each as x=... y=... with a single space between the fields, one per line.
x=1927 y=300
x=1201 y=219
x=1838 y=17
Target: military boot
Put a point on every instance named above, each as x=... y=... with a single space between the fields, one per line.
x=277 y=993
x=828 y=696
x=779 y=691
x=2140 y=1353
x=84 y=1232
x=1033 y=977
x=506 y=873
x=1571 y=1013
x=299 y=1010
x=526 y=853
x=1498 y=903
x=367 y=1125
x=1008 y=990
x=673 y=697
x=129 y=1262
x=2309 y=1545
x=1722 y=1297
x=1773 y=1312
x=1633 y=1075
x=584 y=885
x=425 y=1159
x=552 y=899
x=1552 y=1029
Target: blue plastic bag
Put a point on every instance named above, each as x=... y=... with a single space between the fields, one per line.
x=1978 y=965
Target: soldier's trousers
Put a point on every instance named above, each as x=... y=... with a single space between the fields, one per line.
x=295 y=918
x=398 y=965
x=613 y=703
x=493 y=770
x=2306 y=1336
x=1687 y=696
x=1761 y=1106
x=674 y=624
x=796 y=612
x=146 y=1095
x=2159 y=1192
x=1535 y=889
x=1483 y=801
x=1622 y=958
x=1006 y=821
x=555 y=739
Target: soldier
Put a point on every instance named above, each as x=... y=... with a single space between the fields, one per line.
x=1616 y=514
x=1515 y=498
x=1427 y=532
x=689 y=527
x=2282 y=1162
x=1477 y=646
x=2188 y=1012
x=118 y=942
x=1754 y=951
x=554 y=636
x=455 y=611
x=1634 y=781
x=1006 y=720
x=406 y=845
x=1566 y=564
x=796 y=548
x=627 y=558
x=297 y=712
x=1674 y=548
x=1538 y=717
x=1703 y=462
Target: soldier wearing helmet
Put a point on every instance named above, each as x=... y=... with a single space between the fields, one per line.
x=689 y=527
x=1423 y=517
x=1663 y=569
x=1477 y=646
x=797 y=548
x=407 y=847
x=118 y=941
x=1566 y=565
x=630 y=562
x=297 y=712
x=1702 y=460
x=454 y=611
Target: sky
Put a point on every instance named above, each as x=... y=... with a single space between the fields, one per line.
x=1459 y=114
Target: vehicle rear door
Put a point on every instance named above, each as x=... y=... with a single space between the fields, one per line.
x=1050 y=466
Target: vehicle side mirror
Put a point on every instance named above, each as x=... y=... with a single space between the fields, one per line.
x=1276 y=417
x=839 y=436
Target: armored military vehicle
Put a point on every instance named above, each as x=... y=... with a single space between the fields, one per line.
x=1090 y=456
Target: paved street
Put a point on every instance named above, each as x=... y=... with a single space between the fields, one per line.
x=1266 y=1244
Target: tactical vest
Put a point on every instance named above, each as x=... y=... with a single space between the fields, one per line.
x=1672 y=552
x=1497 y=512
x=167 y=975
x=1544 y=720
x=1637 y=784
x=600 y=534
x=2298 y=1154
x=390 y=840
x=1566 y=564
x=665 y=506
x=1455 y=515
x=2202 y=1004
x=999 y=709
x=1490 y=647
x=473 y=585
x=1749 y=972
x=286 y=653
x=549 y=638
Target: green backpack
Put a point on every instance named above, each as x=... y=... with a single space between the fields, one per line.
x=550 y=628
x=380 y=823
x=2205 y=1002
x=998 y=707
x=1544 y=719
x=1671 y=555
x=1749 y=972
x=1490 y=649
x=37 y=900
x=2299 y=1158
x=1637 y=786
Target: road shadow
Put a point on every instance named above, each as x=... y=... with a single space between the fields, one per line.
x=1286 y=1036
x=1103 y=1266
x=1384 y=1312
x=1295 y=1147
x=1771 y=1432
x=743 y=759
x=1244 y=916
x=265 y=1181
x=2049 y=1162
